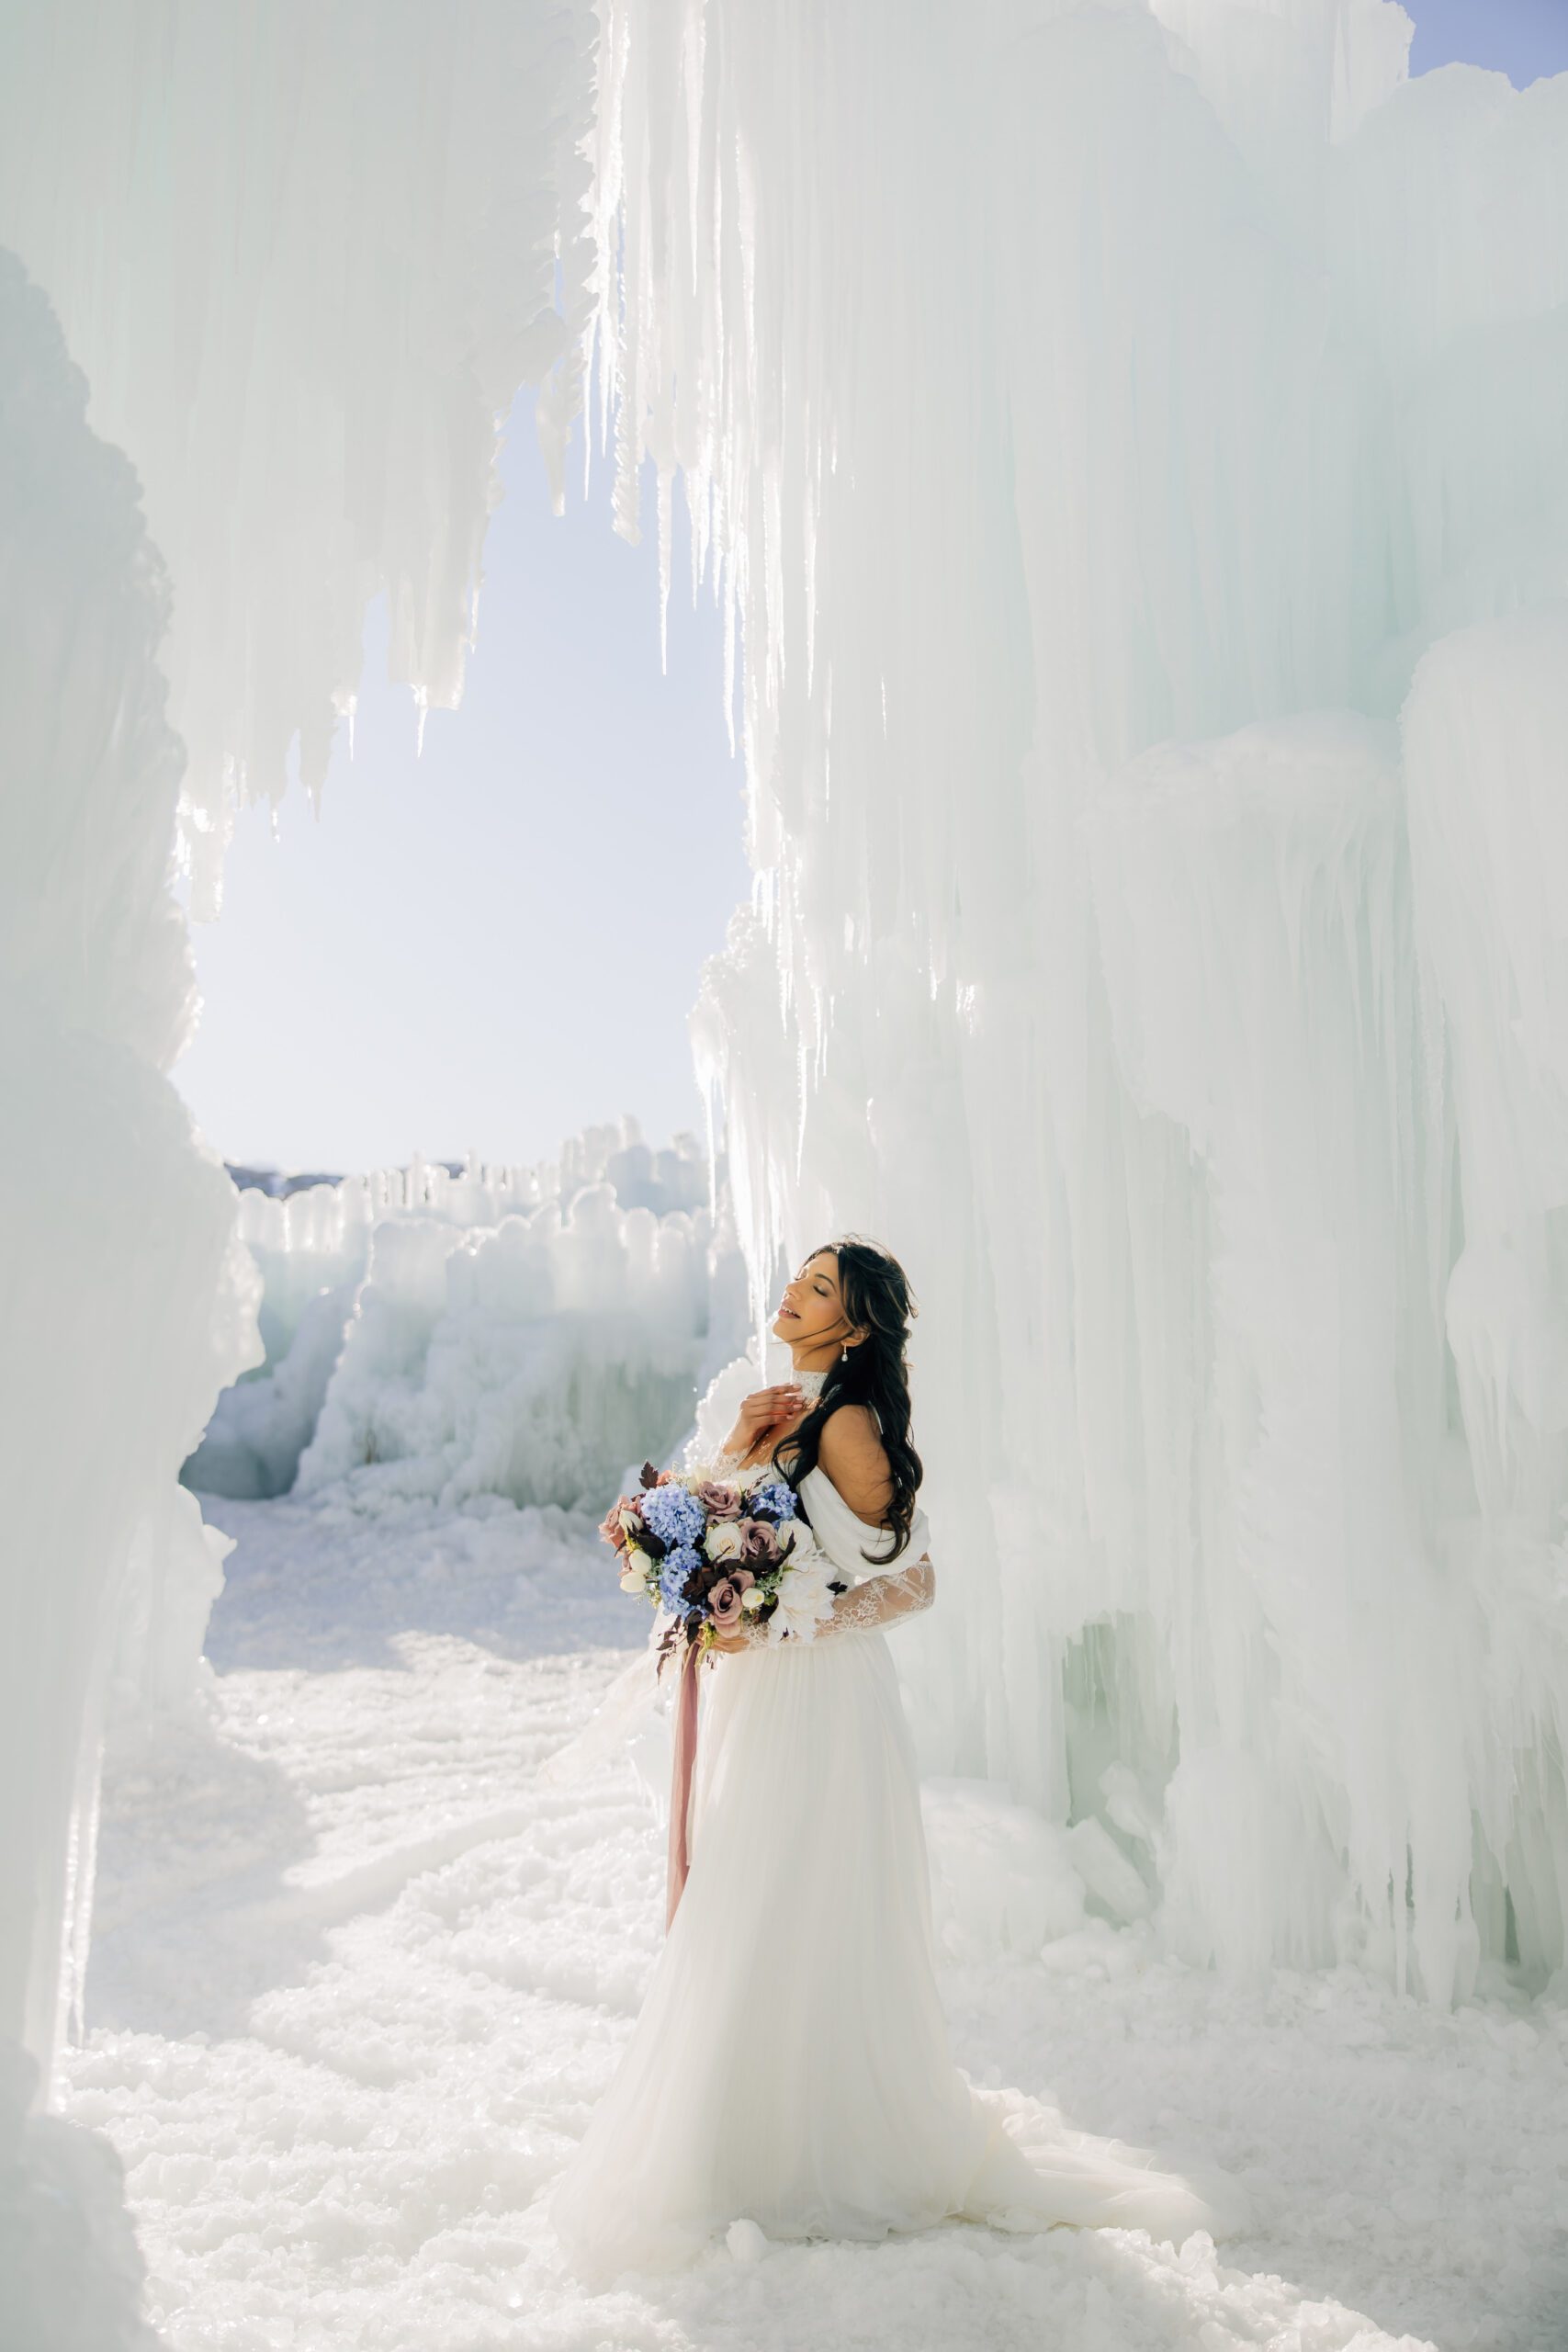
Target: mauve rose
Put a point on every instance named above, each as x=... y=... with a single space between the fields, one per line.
x=610 y=1526
x=724 y=1599
x=758 y=1540
x=718 y=1500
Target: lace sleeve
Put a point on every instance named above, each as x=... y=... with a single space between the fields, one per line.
x=708 y=1457
x=882 y=1600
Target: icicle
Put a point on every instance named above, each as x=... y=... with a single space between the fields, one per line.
x=666 y=496
x=386 y=219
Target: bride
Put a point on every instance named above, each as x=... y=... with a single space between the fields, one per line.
x=790 y=2067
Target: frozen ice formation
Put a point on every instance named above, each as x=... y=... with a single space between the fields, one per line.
x=118 y=1220
x=1126 y=442
x=520 y=1332
x=301 y=258
x=306 y=254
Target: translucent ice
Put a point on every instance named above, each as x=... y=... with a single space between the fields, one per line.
x=526 y=1332
x=306 y=255
x=1128 y=443
x=117 y=1220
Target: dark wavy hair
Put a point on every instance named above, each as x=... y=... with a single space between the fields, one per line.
x=877 y=1301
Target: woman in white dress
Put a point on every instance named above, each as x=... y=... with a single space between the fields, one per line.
x=790 y=2064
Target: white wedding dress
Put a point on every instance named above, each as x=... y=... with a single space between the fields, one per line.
x=791 y=2065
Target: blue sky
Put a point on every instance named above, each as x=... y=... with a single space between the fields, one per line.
x=496 y=945
x=1520 y=37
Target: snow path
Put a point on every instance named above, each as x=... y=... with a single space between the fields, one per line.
x=355 y=1984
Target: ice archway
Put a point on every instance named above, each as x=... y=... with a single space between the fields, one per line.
x=1126 y=442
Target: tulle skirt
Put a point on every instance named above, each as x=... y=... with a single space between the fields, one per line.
x=791 y=2064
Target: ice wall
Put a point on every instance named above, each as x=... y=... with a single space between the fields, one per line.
x=306 y=254
x=1126 y=441
x=525 y=1331
x=117 y=1222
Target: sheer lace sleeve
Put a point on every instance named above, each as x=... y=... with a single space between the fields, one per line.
x=708 y=1458
x=866 y=1607
x=883 y=1600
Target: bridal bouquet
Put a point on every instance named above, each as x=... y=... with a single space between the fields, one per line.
x=714 y=1552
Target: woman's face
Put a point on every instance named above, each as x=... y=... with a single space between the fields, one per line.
x=812 y=1312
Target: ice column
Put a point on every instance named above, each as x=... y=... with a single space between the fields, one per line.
x=1484 y=731
x=118 y=1222
x=303 y=256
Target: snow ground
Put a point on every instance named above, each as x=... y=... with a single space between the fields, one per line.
x=356 y=1982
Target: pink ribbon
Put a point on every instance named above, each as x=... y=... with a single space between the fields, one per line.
x=681 y=1771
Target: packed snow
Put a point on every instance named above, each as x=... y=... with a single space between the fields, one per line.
x=358 y=1978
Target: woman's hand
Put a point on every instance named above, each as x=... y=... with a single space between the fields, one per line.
x=763 y=1411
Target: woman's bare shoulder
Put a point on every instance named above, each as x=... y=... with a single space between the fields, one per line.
x=851 y=1425
x=852 y=1454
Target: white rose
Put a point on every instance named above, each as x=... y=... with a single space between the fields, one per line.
x=753 y=1597
x=723 y=1540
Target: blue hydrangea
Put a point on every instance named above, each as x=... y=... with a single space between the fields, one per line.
x=675 y=1515
x=774 y=1502
x=674 y=1570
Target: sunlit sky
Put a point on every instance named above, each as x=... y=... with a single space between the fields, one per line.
x=497 y=944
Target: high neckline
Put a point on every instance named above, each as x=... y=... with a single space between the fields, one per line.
x=810 y=1382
